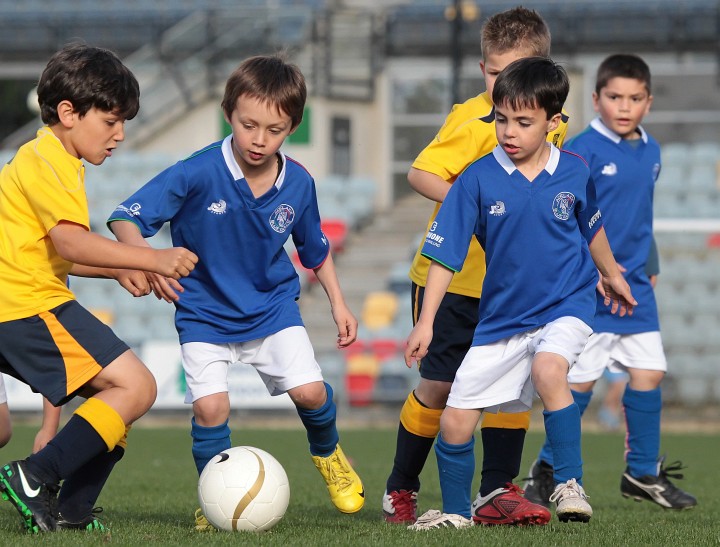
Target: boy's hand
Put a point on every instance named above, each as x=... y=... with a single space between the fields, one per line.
x=599 y=285
x=43 y=437
x=347 y=325
x=417 y=343
x=133 y=281
x=176 y=262
x=618 y=295
x=164 y=288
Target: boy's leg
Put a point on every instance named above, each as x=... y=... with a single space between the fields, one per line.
x=420 y=415
x=456 y=468
x=95 y=364
x=286 y=363
x=344 y=485
x=206 y=377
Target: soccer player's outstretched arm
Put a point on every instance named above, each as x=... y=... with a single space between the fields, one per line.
x=344 y=319
x=428 y=184
x=165 y=287
x=438 y=281
x=615 y=289
x=75 y=244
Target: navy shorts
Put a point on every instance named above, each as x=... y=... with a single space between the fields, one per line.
x=57 y=352
x=453 y=332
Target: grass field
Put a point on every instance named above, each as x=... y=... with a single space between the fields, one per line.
x=151 y=497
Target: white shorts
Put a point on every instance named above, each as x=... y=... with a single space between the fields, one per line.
x=3 y=394
x=618 y=352
x=497 y=377
x=283 y=360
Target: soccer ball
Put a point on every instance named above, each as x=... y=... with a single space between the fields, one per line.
x=243 y=488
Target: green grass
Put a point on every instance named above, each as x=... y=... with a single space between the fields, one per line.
x=151 y=497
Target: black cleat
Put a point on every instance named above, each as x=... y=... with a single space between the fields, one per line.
x=539 y=485
x=91 y=523
x=658 y=489
x=34 y=500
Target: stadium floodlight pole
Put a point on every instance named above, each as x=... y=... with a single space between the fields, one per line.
x=457 y=13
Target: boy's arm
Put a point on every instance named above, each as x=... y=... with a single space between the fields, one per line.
x=615 y=288
x=165 y=288
x=428 y=184
x=49 y=427
x=438 y=281
x=343 y=317
x=133 y=281
x=75 y=244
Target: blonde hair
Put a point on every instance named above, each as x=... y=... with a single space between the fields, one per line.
x=516 y=29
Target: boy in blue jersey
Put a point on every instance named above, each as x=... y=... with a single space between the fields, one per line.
x=624 y=165
x=532 y=208
x=235 y=203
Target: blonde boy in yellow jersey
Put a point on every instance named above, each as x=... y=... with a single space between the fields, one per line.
x=467 y=134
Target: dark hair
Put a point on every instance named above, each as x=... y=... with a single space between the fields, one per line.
x=87 y=77
x=517 y=28
x=622 y=65
x=532 y=82
x=269 y=78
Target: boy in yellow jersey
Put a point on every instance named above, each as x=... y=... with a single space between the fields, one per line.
x=47 y=339
x=467 y=134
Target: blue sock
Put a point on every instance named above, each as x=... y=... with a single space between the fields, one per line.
x=582 y=400
x=208 y=441
x=562 y=428
x=456 y=466
x=320 y=426
x=642 y=413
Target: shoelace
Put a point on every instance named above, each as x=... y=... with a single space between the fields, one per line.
x=337 y=473
x=510 y=487
x=403 y=503
x=671 y=470
x=571 y=489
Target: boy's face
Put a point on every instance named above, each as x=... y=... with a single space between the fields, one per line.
x=92 y=137
x=622 y=104
x=522 y=133
x=494 y=63
x=259 y=129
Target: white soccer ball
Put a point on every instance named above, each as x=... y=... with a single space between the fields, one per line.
x=243 y=488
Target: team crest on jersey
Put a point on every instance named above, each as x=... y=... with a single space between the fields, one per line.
x=609 y=170
x=498 y=209
x=282 y=218
x=563 y=205
x=656 y=171
x=218 y=207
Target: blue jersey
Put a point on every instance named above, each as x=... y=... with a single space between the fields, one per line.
x=535 y=236
x=244 y=286
x=624 y=173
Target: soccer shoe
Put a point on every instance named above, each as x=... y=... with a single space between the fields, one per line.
x=433 y=519
x=34 y=500
x=202 y=524
x=400 y=506
x=345 y=487
x=507 y=506
x=658 y=489
x=91 y=523
x=571 y=502
x=539 y=485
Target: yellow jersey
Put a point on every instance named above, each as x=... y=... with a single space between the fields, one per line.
x=41 y=186
x=467 y=134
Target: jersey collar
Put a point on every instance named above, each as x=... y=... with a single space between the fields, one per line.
x=234 y=168
x=506 y=163
x=604 y=130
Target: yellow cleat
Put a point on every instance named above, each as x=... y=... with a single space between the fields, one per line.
x=346 y=489
x=202 y=524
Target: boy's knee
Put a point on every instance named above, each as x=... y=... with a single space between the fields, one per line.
x=309 y=396
x=212 y=410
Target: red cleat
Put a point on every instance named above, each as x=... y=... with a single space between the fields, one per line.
x=507 y=506
x=400 y=506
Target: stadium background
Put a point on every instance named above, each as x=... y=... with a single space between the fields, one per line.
x=382 y=75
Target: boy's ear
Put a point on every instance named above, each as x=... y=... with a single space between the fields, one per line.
x=554 y=122
x=482 y=67
x=66 y=113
